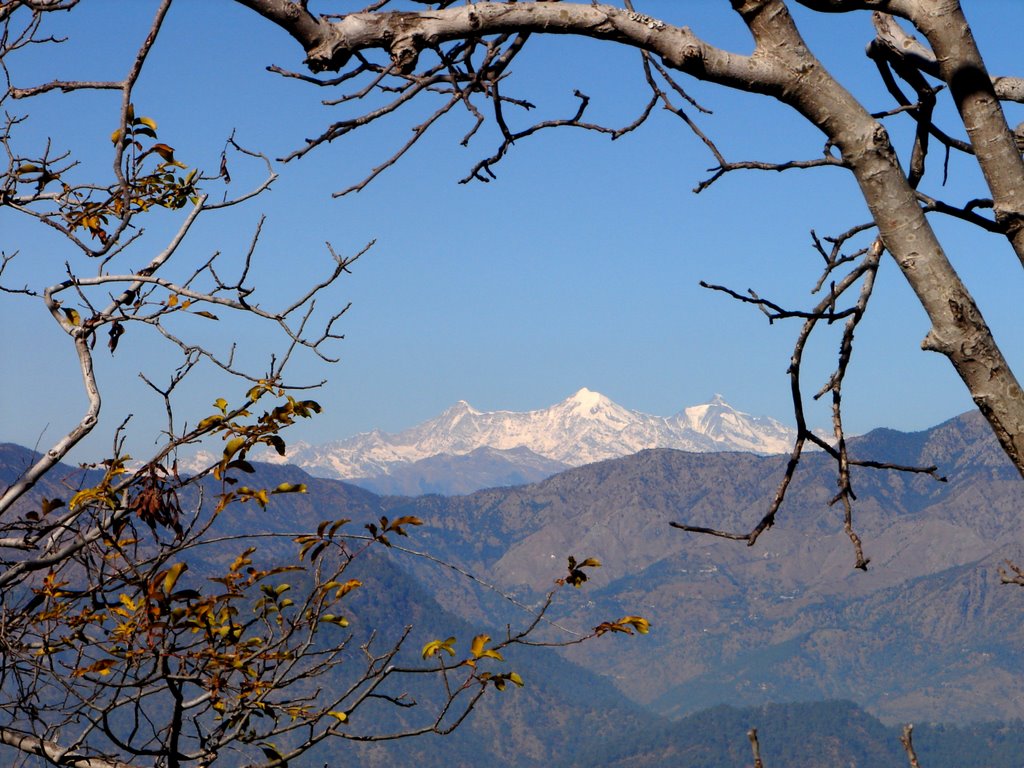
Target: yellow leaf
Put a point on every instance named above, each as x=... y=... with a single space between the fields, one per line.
x=128 y=602
x=172 y=300
x=347 y=587
x=479 y=649
x=341 y=716
x=642 y=625
x=148 y=122
x=102 y=667
x=290 y=488
x=210 y=421
x=207 y=315
x=89 y=495
x=233 y=446
x=242 y=560
x=73 y=317
x=172 y=576
x=436 y=646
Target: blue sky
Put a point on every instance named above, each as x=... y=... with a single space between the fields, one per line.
x=578 y=266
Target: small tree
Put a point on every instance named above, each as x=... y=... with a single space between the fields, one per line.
x=123 y=641
x=464 y=53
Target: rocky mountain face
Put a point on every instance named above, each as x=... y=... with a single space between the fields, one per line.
x=464 y=449
x=926 y=633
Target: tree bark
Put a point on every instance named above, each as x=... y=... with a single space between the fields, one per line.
x=53 y=753
x=960 y=65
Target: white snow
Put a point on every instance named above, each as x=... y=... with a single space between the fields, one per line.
x=585 y=427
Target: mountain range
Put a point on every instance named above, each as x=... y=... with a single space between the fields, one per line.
x=927 y=633
x=464 y=449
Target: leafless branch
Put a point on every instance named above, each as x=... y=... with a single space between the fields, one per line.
x=1011 y=574
x=863 y=272
x=906 y=739
x=755 y=747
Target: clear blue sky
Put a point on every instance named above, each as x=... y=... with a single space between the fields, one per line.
x=578 y=266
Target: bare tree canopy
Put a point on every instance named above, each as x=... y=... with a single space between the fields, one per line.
x=112 y=654
x=141 y=621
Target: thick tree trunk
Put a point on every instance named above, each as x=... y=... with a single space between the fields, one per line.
x=962 y=68
x=959 y=330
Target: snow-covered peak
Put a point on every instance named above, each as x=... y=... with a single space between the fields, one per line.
x=583 y=428
x=587 y=403
x=735 y=430
x=703 y=417
x=462 y=408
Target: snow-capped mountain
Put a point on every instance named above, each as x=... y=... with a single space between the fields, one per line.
x=582 y=429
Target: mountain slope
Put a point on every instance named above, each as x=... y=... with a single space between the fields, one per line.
x=807 y=735
x=925 y=632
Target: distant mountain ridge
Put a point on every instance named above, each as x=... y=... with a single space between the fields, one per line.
x=492 y=448
x=926 y=633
